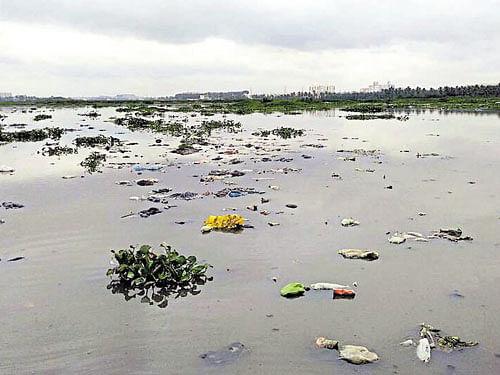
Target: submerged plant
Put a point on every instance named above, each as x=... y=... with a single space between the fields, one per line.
x=140 y=270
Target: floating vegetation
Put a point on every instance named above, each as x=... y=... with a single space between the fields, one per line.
x=34 y=135
x=185 y=149
x=58 y=150
x=281 y=132
x=384 y=116
x=138 y=123
x=42 y=117
x=99 y=140
x=91 y=114
x=142 y=109
x=365 y=108
x=170 y=274
x=93 y=162
x=190 y=133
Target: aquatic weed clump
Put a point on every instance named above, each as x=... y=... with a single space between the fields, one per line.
x=99 y=140
x=93 y=162
x=42 y=117
x=166 y=274
x=34 y=135
x=58 y=150
x=365 y=108
x=363 y=116
x=282 y=132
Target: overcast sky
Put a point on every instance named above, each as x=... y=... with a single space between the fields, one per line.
x=160 y=47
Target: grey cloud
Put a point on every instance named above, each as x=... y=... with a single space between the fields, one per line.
x=312 y=25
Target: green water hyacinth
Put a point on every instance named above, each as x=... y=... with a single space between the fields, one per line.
x=140 y=270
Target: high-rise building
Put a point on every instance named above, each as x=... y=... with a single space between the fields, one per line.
x=321 y=90
x=376 y=87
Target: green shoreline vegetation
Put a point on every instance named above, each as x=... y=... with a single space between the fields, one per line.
x=152 y=108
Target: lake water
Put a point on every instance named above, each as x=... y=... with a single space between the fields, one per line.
x=58 y=317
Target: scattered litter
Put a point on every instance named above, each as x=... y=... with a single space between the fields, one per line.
x=452 y=234
x=324 y=343
x=206 y=229
x=273 y=224
x=6 y=169
x=158 y=198
x=228 y=354
x=396 y=239
x=146 y=181
x=357 y=355
x=237 y=192
x=187 y=196
x=294 y=289
x=344 y=293
x=15 y=259
x=149 y=212
x=456 y=294
x=430 y=338
x=450 y=343
x=291 y=205
x=328 y=286
x=424 y=350
x=407 y=343
x=123 y=183
x=69 y=177
x=364 y=170
x=350 y=222
x=274 y=187
x=228 y=223
x=359 y=254
x=11 y=205
x=139 y=168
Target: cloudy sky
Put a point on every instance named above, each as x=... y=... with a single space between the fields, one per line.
x=160 y=47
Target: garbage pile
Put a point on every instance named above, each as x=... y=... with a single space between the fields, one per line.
x=432 y=338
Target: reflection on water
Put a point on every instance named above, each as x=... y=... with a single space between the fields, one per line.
x=159 y=297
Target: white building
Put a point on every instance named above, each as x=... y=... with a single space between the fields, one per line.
x=376 y=87
x=321 y=90
x=5 y=95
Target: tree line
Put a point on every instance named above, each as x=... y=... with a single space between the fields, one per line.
x=400 y=93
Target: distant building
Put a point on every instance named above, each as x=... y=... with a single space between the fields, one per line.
x=4 y=95
x=320 y=90
x=126 y=97
x=376 y=87
x=230 y=95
